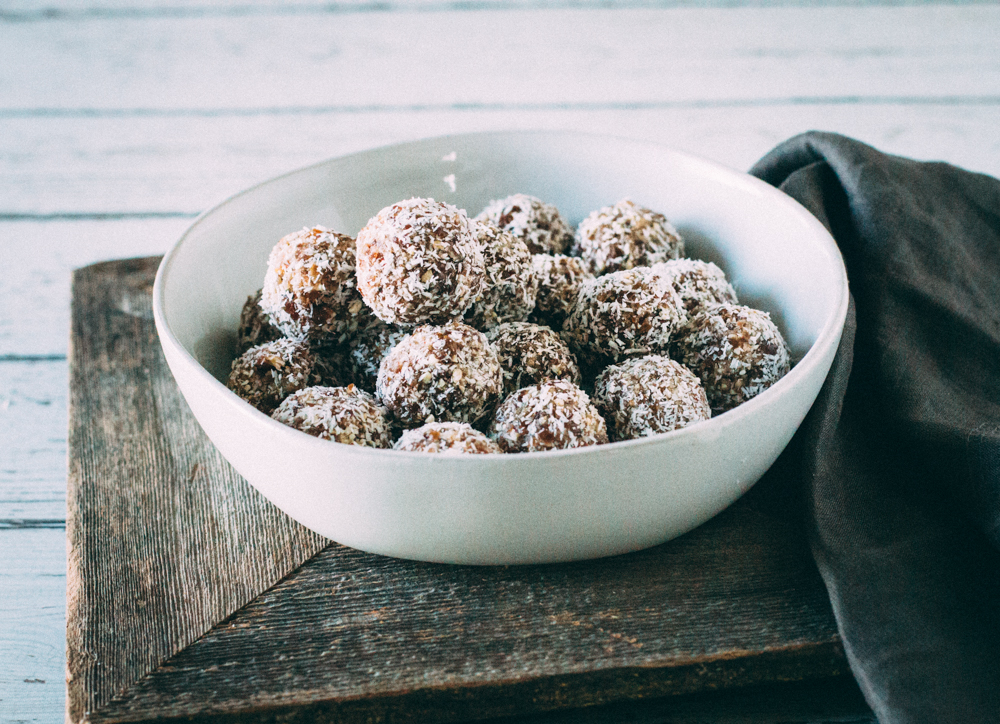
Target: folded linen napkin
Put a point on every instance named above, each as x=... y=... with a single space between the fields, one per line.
x=901 y=452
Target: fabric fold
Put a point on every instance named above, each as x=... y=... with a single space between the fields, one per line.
x=900 y=454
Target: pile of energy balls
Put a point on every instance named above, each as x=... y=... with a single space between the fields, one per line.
x=437 y=332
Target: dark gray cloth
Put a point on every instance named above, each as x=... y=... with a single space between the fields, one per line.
x=901 y=452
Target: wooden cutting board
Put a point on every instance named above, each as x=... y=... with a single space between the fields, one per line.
x=190 y=596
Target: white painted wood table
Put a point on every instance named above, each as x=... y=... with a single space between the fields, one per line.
x=120 y=122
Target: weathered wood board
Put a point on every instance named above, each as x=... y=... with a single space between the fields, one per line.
x=191 y=596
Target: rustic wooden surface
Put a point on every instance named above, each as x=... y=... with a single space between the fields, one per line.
x=121 y=120
x=190 y=596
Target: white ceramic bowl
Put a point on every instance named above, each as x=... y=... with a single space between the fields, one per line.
x=502 y=509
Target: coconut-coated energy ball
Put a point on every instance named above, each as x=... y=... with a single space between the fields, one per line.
x=698 y=283
x=536 y=223
x=736 y=351
x=310 y=289
x=420 y=262
x=625 y=235
x=530 y=353
x=268 y=373
x=648 y=395
x=449 y=438
x=627 y=313
x=559 y=279
x=343 y=414
x=445 y=373
x=511 y=285
x=552 y=415
x=367 y=350
x=255 y=326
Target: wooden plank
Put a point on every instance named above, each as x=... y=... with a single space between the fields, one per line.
x=169 y=616
x=33 y=634
x=34 y=317
x=93 y=166
x=165 y=539
x=562 y=56
x=33 y=430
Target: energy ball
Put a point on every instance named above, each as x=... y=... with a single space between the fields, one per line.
x=536 y=223
x=255 y=326
x=449 y=438
x=530 y=353
x=698 y=283
x=559 y=279
x=627 y=313
x=446 y=373
x=268 y=373
x=310 y=290
x=736 y=351
x=624 y=236
x=368 y=348
x=649 y=395
x=551 y=415
x=511 y=286
x=420 y=262
x=343 y=414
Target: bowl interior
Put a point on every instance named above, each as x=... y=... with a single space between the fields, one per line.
x=774 y=253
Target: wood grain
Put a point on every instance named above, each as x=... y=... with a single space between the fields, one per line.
x=175 y=608
x=402 y=60
x=136 y=166
x=165 y=539
x=32 y=637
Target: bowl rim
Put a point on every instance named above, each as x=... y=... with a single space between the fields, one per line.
x=829 y=334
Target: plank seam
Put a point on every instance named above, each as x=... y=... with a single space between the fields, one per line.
x=875 y=100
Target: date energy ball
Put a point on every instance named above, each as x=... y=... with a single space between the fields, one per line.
x=255 y=326
x=698 y=283
x=447 y=373
x=530 y=353
x=627 y=313
x=559 y=279
x=648 y=395
x=736 y=351
x=368 y=348
x=420 y=262
x=449 y=438
x=511 y=285
x=343 y=414
x=624 y=236
x=552 y=415
x=268 y=373
x=536 y=223
x=310 y=289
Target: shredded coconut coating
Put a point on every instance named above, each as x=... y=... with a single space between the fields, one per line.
x=511 y=285
x=255 y=327
x=448 y=438
x=551 y=415
x=536 y=223
x=648 y=395
x=530 y=353
x=343 y=414
x=268 y=373
x=368 y=348
x=310 y=289
x=559 y=279
x=419 y=262
x=623 y=314
x=440 y=373
x=736 y=351
x=698 y=283
x=624 y=236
